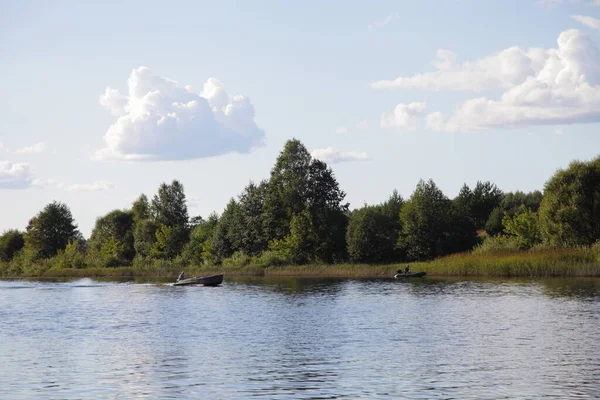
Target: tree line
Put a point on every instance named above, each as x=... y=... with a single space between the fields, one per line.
x=298 y=215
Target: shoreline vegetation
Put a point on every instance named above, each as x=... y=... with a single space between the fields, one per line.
x=297 y=223
x=535 y=263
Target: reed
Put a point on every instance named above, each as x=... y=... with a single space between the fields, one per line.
x=537 y=262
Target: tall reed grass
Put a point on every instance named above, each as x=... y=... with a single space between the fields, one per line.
x=494 y=261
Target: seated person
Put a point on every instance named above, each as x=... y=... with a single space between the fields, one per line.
x=180 y=277
x=407 y=269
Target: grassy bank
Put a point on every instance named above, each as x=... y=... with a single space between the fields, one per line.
x=542 y=263
x=581 y=262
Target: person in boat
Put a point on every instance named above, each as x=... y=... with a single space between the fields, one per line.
x=407 y=269
x=180 y=277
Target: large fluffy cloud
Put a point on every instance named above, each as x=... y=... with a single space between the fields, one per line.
x=333 y=156
x=554 y=86
x=15 y=176
x=161 y=120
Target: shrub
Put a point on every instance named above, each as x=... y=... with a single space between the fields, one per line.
x=497 y=244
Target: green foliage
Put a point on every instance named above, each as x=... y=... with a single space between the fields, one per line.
x=479 y=203
x=73 y=256
x=494 y=226
x=302 y=239
x=570 y=210
x=510 y=204
x=140 y=209
x=373 y=232
x=169 y=205
x=287 y=189
x=144 y=237
x=112 y=253
x=170 y=241
x=227 y=236
x=51 y=230
x=280 y=250
x=486 y=197
x=253 y=239
x=11 y=242
x=116 y=226
x=198 y=250
x=524 y=226
x=327 y=213
x=430 y=225
x=497 y=244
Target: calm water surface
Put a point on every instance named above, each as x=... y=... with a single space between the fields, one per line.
x=301 y=339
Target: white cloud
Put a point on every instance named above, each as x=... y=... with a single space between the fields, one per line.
x=162 y=120
x=404 y=116
x=93 y=187
x=341 y=129
x=15 y=176
x=501 y=70
x=435 y=121
x=362 y=124
x=35 y=149
x=563 y=89
x=388 y=18
x=333 y=156
x=595 y=3
x=587 y=21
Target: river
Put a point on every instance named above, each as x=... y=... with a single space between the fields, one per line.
x=292 y=338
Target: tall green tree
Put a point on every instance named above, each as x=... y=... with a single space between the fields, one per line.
x=328 y=213
x=51 y=230
x=478 y=204
x=140 y=209
x=169 y=209
x=116 y=227
x=287 y=189
x=227 y=235
x=486 y=197
x=11 y=242
x=144 y=237
x=169 y=205
x=570 y=209
x=251 y=202
x=425 y=220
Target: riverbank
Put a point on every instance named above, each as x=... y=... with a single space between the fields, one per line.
x=544 y=263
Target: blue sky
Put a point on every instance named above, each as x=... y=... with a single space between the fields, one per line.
x=103 y=101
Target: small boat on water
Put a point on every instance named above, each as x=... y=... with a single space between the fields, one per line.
x=401 y=275
x=212 y=280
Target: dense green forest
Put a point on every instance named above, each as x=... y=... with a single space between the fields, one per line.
x=298 y=216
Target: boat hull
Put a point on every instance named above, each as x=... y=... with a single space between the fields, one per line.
x=410 y=275
x=212 y=280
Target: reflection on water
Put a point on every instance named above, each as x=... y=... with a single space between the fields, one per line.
x=301 y=338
